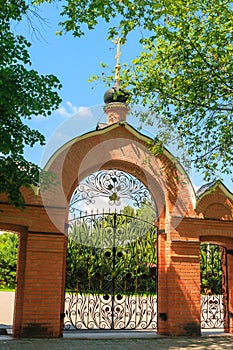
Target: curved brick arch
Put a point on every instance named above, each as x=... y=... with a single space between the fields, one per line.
x=121 y=146
x=218 y=211
x=217 y=203
x=225 y=242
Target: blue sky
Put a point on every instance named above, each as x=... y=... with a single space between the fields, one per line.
x=73 y=61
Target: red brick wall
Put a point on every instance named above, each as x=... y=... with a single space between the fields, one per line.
x=40 y=286
x=184 y=288
x=178 y=285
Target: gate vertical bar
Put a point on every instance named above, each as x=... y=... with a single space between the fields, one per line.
x=113 y=267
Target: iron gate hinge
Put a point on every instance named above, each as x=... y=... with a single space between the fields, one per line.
x=230 y=251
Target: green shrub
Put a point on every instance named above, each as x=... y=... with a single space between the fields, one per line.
x=8 y=260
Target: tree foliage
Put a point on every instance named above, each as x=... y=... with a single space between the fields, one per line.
x=184 y=72
x=24 y=93
x=8 y=259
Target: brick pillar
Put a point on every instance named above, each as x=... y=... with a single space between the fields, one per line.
x=162 y=284
x=183 y=288
x=230 y=292
x=40 y=291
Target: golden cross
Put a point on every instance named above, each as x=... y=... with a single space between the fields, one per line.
x=117 y=57
x=118 y=54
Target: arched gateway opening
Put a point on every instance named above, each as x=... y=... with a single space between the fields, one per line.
x=111 y=275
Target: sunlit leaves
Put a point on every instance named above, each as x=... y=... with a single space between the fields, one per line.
x=23 y=94
x=184 y=73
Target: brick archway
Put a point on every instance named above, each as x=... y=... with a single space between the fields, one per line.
x=183 y=221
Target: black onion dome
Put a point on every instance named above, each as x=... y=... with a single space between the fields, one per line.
x=116 y=94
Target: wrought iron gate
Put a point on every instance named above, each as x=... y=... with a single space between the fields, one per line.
x=111 y=275
x=214 y=297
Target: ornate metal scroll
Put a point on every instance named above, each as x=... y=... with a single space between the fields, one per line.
x=96 y=312
x=212 y=312
x=116 y=186
x=213 y=287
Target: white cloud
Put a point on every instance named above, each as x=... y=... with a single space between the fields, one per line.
x=73 y=109
x=84 y=112
x=62 y=111
x=69 y=110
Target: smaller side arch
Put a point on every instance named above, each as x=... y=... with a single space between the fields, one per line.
x=225 y=242
x=216 y=203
